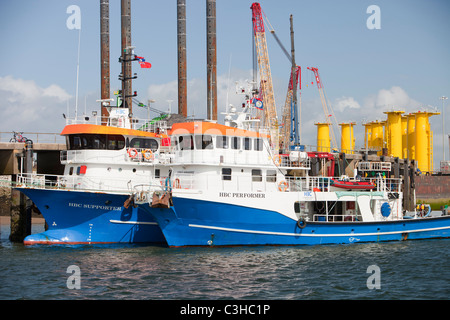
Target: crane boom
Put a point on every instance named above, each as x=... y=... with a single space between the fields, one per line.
x=269 y=112
x=289 y=131
x=328 y=111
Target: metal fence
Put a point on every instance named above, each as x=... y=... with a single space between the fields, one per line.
x=36 y=137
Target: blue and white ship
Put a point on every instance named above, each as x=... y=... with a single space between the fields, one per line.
x=90 y=202
x=229 y=187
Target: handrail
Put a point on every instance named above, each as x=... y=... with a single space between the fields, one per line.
x=36 y=137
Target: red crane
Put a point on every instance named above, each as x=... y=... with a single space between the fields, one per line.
x=269 y=112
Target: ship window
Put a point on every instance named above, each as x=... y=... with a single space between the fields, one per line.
x=271 y=176
x=226 y=174
x=258 y=144
x=115 y=142
x=98 y=142
x=222 y=142
x=186 y=143
x=203 y=142
x=256 y=175
x=144 y=143
x=95 y=142
x=235 y=143
x=247 y=144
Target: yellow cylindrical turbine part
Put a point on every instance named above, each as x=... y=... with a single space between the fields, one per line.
x=394 y=133
x=411 y=136
x=368 y=135
x=347 y=137
x=404 y=137
x=424 y=143
x=377 y=136
x=323 y=137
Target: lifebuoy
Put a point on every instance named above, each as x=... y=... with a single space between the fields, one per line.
x=132 y=153
x=148 y=154
x=301 y=223
x=282 y=186
x=176 y=183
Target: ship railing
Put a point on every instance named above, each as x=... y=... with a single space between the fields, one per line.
x=285 y=161
x=80 y=183
x=320 y=184
x=231 y=157
x=323 y=184
x=386 y=184
x=147 y=125
x=68 y=156
x=141 y=155
x=262 y=182
x=374 y=166
x=256 y=182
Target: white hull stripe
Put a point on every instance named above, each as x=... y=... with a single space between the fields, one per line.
x=316 y=234
x=133 y=222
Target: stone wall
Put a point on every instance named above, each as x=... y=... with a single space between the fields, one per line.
x=5 y=195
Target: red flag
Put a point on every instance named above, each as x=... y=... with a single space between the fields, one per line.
x=145 y=64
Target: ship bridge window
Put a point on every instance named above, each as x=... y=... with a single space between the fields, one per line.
x=144 y=143
x=186 y=143
x=203 y=142
x=222 y=142
x=247 y=144
x=236 y=143
x=115 y=142
x=95 y=142
x=258 y=144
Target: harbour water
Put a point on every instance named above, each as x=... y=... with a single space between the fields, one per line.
x=407 y=270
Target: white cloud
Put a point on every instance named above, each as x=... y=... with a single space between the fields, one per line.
x=18 y=90
x=56 y=92
x=25 y=106
x=346 y=102
x=394 y=97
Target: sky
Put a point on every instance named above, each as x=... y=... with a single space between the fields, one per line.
x=402 y=65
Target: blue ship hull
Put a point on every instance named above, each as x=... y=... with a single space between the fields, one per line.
x=89 y=218
x=204 y=223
